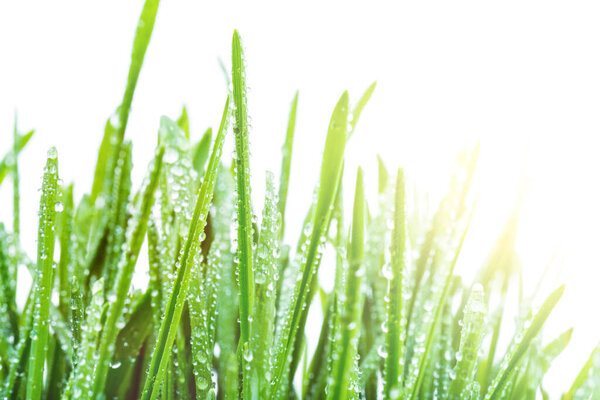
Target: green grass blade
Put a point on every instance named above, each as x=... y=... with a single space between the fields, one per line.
x=183 y=122
x=286 y=161
x=470 y=341
x=582 y=376
x=170 y=323
x=330 y=175
x=140 y=45
x=513 y=358
x=6 y=161
x=394 y=361
x=242 y=172
x=43 y=278
x=135 y=237
x=201 y=152
x=15 y=176
x=357 y=110
x=436 y=319
x=263 y=314
x=343 y=384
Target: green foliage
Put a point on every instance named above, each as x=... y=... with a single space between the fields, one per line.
x=228 y=310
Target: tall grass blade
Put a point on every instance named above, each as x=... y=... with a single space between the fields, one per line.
x=286 y=161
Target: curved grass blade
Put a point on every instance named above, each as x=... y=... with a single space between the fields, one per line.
x=201 y=152
x=286 y=161
x=343 y=383
x=6 y=161
x=331 y=168
x=140 y=45
x=170 y=323
x=357 y=110
x=242 y=173
x=43 y=278
x=394 y=361
x=582 y=376
x=514 y=356
x=135 y=238
x=438 y=312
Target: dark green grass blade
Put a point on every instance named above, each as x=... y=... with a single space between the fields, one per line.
x=436 y=319
x=6 y=161
x=135 y=237
x=352 y=305
x=43 y=278
x=513 y=358
x=170 y=323
x=330 y=173
x=394 y=369
x=286 y=161
x=242 y=172
x=140 y=45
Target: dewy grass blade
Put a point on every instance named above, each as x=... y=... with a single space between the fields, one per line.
x=242 y=172
x=170 y=323
x=135 y=237
x=513 y=357
x=344 y=384
x=286 y=161
x=470 y=341
x=330 y=172
x=43 y=279
x=438 y=312
x=394 y=361
x=357 y=110
x=583 y=375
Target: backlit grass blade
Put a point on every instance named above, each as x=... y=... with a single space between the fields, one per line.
x=470 y=341
x=394 y=361
x=286 y=160
x=183 y=122
x=424 y=358
x=330 y=172
x=135 y=238
x=582 y=376
x=170 y=322
x=6 y=161
x=242 y=173
x=343 y=385
x=522 y=342
x=357 y=110
x=201 y=151
x=43 y=278
x=15 y=178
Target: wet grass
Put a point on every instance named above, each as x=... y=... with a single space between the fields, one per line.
x=226 y=308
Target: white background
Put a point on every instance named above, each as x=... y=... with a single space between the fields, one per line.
x=513 y=74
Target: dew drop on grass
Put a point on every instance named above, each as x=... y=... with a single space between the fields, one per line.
x=59 y=207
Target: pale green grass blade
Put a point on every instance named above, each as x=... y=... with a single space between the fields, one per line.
x=394 y=338
x=286 y=161
x=6 y=161
x=343 y=386
x=470 y=341
x=522 y=342
x=330 y=175
x=357 y=110
x=201 y=152
x=15 y=178
x=170 y=323
x=183 y=122
x=242 y=173
x=117 y=297
x=43 y=278
x=582 y=376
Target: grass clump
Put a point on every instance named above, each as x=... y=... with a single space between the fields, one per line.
x=225 y=312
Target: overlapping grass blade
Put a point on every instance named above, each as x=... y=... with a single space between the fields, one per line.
x=344 y=383
x=394 y=361
x=286 y=161
x=7 y=161
x=330 y=171
x=170 y=323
